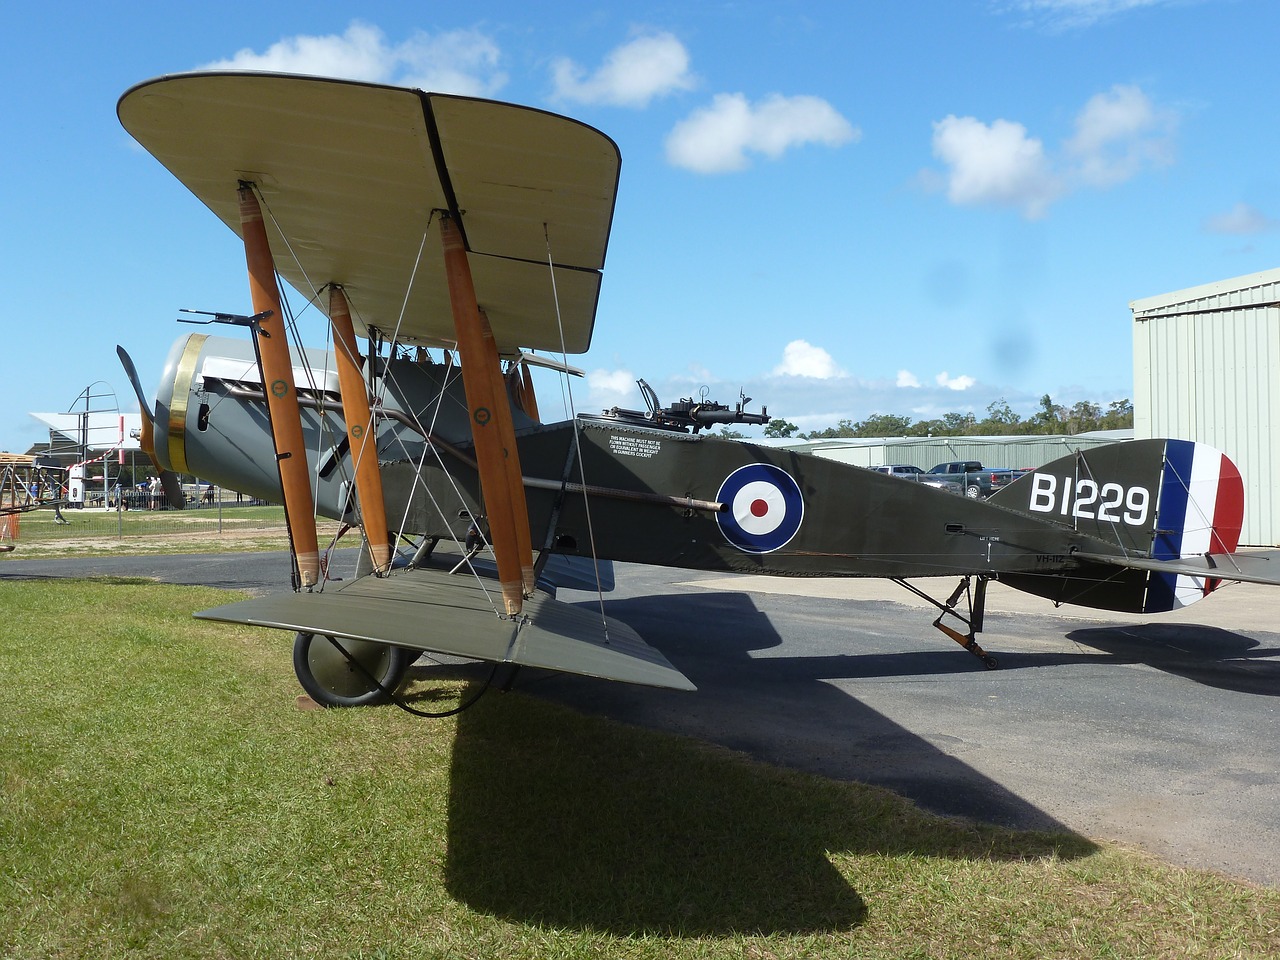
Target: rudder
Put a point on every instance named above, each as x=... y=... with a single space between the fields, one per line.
x=1162 y=499
x=1201 y=510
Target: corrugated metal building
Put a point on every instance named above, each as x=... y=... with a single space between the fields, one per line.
x=1206 y=367
x=924 y=452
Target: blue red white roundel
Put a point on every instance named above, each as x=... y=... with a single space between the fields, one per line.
x=763 y=508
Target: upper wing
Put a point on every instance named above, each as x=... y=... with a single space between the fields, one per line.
x=351 y=173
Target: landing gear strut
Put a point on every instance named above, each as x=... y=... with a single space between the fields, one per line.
x=975 y=600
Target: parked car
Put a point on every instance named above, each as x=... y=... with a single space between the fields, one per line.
x=971 y=478
x=904 y=470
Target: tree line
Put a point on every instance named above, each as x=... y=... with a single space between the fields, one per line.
x=1001 y=420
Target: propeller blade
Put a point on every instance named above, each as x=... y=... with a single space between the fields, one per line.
x=147 y=440
x=172 y=489
x=168 y=480
x=132 y=373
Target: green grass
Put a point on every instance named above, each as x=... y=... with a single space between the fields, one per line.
x=88 y=532
x=162 y=796
x=43 y=525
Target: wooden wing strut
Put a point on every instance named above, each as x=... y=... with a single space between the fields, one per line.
x=497 y=458
x=359 y=420
x=272 y=347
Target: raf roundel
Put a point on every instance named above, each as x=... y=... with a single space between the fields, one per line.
x=763 y=508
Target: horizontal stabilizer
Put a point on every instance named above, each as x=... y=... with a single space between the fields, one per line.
x=427 y=609
x=1253 y=567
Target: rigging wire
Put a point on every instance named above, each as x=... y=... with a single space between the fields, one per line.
x=427 y=431
x=404 y=305
x=577 y=438
x=385 y=383
x=326 y=431
x=289 y=321
x=327 y=427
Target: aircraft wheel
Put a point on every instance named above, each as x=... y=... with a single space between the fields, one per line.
x=332 y=680
x=990 y=662
x=973 y=492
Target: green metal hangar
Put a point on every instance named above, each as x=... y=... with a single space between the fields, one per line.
x=1206 y=367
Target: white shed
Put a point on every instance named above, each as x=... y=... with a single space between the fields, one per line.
x=1206 y=367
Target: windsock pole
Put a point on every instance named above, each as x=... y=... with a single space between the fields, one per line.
x=359 y=420
x=486 y=395
x=272 y=347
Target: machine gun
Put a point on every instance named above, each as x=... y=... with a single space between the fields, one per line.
x=688 y=414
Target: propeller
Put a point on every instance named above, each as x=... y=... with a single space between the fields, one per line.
x=168 y=479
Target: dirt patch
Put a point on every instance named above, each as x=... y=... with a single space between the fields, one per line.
x=231 y=539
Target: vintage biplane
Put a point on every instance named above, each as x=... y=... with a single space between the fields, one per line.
x=28 y=483
x=464 y=240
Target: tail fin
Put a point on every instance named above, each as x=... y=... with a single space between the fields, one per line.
x=1150 y=500
x=1201 y=512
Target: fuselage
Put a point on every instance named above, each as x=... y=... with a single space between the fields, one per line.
x=596 y=486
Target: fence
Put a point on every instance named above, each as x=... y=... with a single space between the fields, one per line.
x=136 y=518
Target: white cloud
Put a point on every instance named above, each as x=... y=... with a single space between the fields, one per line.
x=962 y=382
x=458 y=61
x=1068 y=14
x=1241 y=220
x=612 y=388
x=717 y=138
x=908 y=379
x=994 y=163
x=694 y=373
x=631 y=75
x=1117 y=134
x=815 y=404
x=802 y=359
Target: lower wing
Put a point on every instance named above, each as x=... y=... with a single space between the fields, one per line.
x=430 y=610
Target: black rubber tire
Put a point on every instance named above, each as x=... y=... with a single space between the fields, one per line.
x=973 y=492
x=333 y=681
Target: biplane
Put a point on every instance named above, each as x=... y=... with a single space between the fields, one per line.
x=28 y=483
x=463 y=241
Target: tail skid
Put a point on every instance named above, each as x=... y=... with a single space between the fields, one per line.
x=977 y=601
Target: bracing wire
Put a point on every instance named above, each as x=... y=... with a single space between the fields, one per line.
x=413 y=276
x=427 y=432
x=577 y=438
x=386 y=381
x=290 y=323
x=326 y=427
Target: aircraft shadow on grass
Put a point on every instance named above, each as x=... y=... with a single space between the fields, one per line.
x=679 y=838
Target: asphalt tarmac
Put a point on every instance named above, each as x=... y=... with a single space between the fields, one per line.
x=1160 y=733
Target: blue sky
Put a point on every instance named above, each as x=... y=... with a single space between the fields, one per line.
x=842 y=208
